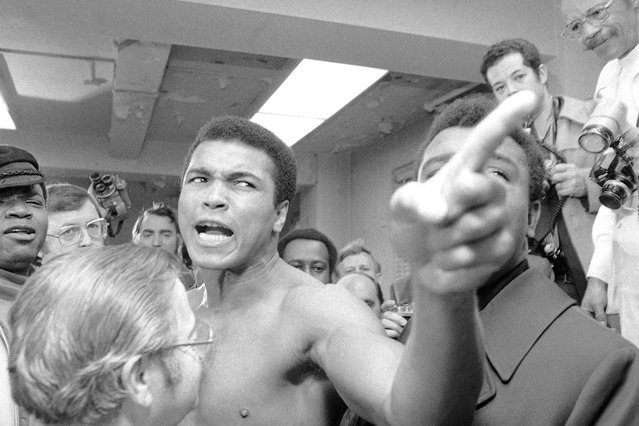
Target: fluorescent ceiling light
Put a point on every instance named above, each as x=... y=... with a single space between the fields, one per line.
x=311 y=94
x=6 y=122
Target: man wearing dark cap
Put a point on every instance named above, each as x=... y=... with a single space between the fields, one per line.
x=23 y=229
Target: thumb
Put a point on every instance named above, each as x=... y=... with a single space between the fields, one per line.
x=388 y=305
x=600 y=314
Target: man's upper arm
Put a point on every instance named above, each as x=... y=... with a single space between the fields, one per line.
x=349 y=343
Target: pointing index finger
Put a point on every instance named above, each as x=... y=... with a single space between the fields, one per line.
x=491 y=131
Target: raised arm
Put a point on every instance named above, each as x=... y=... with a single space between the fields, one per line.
x=451 y=229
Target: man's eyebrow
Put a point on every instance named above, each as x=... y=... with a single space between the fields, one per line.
x=242 y=174
x=198 y=170
x=595 y=7
x=443 y=158
x=438 y=159
x=505 y=159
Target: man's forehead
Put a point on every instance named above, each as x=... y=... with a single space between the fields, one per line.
x=25 y=189
x=156 y=219
x=360 y=257
x=575 y=9
x=305 y=247
x=357 y=280
x=450 y=140
x=199 y=160
x=513 y=58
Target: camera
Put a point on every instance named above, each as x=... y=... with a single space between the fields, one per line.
x=604 y=125
x=617 y=179
x=110 y=192
x=614 y=171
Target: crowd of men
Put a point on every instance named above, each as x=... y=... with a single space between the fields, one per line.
x=211 y=316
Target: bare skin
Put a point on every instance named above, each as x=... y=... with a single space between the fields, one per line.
x=287 y=345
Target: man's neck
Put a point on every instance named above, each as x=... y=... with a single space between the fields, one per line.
x=233 y=283
x=501 y=279
x=20 y=274
x=543 y=103
x=629 y=51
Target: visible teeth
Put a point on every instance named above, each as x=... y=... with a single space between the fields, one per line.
x=217 y=238
x=21 y=230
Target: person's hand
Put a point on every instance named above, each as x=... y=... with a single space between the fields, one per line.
x=393 y=322
x=457 y=218
x=596 y=299
x=569 y=180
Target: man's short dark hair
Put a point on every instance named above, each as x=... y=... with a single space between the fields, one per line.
x=157 y=209
x=230 y=128
x=310 y=234
x=468 y=112
x=528 y=51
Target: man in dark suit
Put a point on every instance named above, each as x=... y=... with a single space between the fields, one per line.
x=547 y=362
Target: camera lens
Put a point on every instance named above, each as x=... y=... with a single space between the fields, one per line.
x=95 y=177
x=99 y=188
x=595 y=138
x=107 y=180
x=614 y=194
x=603 y=126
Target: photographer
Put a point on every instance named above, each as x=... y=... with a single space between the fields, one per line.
x=611 y=31
x=568 y=209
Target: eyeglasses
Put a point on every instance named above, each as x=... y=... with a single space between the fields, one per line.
x=71 y=234
x=202 y=337
x=596 y=16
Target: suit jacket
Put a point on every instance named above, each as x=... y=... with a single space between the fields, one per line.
x=547 y=363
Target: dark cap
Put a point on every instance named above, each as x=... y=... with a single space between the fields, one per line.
x=18 y=168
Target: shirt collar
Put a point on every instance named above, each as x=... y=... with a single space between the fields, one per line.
x=545 y=118
x=631 y=59
x=486 y=293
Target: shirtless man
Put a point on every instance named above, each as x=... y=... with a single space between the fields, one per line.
x=287 y=345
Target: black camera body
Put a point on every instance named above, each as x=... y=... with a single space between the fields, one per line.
x=613 y=171
x=616 y=176
x=110 y=192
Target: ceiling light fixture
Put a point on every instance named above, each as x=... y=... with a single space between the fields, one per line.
x=311 y=94
x=6 y=122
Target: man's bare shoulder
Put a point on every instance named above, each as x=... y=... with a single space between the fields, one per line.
x=328 y=307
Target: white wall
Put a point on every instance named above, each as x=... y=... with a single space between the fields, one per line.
x=371 y=186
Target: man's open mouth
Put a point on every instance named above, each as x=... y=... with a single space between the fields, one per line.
x=213 y=232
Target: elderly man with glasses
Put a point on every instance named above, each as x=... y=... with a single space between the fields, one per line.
x=611 y=30
x=106 y=336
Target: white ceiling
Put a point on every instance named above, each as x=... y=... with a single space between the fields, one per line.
x=131 y=81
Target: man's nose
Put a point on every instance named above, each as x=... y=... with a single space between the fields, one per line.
x=511 y=88
x=588 y=31
x=156 y=241
x=18 y=208
x=85 y=238
x=216 y=195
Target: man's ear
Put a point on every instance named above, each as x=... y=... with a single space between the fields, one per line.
x=534 y=211
x=543 y=73
x=135 y=379
x=281 y=210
